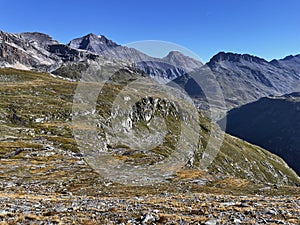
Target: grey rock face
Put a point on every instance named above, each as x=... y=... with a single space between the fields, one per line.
x=93 y=43
x=68 y=54
x=37 y=51
x=182 y=61
x=17 y=52
x=290 y=63
x=38 y=39
x=246 y=78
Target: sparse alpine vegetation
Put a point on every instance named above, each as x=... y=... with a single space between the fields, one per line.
x=36 y=110
x=45 y=178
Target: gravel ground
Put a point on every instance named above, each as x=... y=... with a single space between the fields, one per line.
x=197 y=208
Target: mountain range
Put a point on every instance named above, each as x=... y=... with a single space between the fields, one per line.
x=36 y=114
x=40 y=52
x=242 y=78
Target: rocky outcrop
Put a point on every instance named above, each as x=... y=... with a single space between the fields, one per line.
x=39 y=39
x=68 y=54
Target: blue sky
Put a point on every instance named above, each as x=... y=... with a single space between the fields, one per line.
x=266 y=28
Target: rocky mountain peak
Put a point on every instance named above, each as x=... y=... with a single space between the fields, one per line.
x=179 y=59
x=93 y=43
x=174 y=53
x=234 y=57
x=93 y=37
x=38 y=38
x=291 y=57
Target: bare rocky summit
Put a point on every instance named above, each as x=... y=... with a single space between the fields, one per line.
x=36 y=51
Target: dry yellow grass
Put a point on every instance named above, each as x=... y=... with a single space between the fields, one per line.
x=190 y=174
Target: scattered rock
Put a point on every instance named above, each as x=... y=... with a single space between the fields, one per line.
x=211 y=222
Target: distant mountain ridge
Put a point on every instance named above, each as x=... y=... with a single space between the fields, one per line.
x=175 y=64
x=233 y=57
x=243 y=78
x=34 y=50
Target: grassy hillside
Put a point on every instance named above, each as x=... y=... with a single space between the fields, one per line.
x=43 y=176
x=35 y=115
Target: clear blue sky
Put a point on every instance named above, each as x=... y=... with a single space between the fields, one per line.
x=266 y=28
